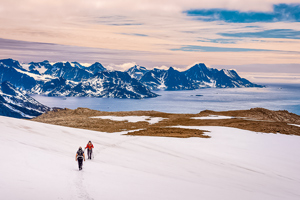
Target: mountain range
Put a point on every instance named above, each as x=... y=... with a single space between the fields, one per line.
x=196 y=77
x=74 y=79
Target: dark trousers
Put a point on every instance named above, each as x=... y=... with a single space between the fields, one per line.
x=80 y=161
x=90 y=151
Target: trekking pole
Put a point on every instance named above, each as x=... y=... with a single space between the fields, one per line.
x=84 y=155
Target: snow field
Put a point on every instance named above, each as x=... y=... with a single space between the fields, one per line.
x=39 y=163
x=214 y=117
x=150 y=120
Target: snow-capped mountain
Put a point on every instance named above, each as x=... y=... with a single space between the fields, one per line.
x=95 y=68
x=73 y=71
x=137 y=71
x=105 y=84
x=77 y=64
x=170 y=79
x=38 y=67
x=202 y=76
x=198 y=76
x=67 y=71
x=11 y=70
x=74 y=79
x=14 y=103
x=154 y=79
x=71 y=79
x=54 y=87
x=114 y=84
x=11 y=63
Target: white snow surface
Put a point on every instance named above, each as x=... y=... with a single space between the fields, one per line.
x=41 y=69
x=150 y=120
x=214 y=117
x=295 y=125
x=38 y=162
x=36 y=76
x=25 y=66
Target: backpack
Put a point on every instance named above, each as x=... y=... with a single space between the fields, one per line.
x=80 y=153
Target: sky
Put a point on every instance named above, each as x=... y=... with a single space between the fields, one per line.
x=250 y=36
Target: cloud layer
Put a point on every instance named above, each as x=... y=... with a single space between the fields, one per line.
x=280 y=12
x=152 y=33
x=272 y=33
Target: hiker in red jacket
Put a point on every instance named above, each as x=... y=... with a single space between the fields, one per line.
x=89 y=146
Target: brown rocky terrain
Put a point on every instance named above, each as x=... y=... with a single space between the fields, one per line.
x=255 y=119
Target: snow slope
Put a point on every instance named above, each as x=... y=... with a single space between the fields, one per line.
x=213 y=117
x=38 y=162
x=150 y=120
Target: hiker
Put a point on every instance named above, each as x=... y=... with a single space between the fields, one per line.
x=80 y=157
x=89 y=146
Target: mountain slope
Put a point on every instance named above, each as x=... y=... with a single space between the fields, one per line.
x=154 y=79
x=14 y=103
x=175 y=80
x=232 y=164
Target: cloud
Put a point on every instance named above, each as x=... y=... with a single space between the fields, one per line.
x=220 y=40
x=280 y=12
x=135 y=34
x=35 y=51
x=273 y=33
x=150 y=33
x=263 y=68
x=164 y=67
x=126 y=24
x=196 y=48
x=121 y=67
x=267 y=77
x=116 y=20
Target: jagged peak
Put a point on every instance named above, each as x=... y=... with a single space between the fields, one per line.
x=137 y=68
x=77 y=65
x=36 y=63
x=11 y=62
x=200 y=66
x=98 y=65
x=171 y=69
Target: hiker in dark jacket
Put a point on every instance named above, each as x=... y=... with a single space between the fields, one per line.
x=80 y=157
